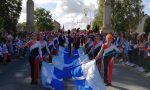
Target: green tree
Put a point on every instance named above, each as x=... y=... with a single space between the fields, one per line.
x=9 y=14
x=126 y=14
x=21 y=26
x=43 y=20
x=147 y=25
x=98 y=20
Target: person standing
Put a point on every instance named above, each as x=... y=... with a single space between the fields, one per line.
x=50 y=47
x=96 y=48
x=107 y=51
x=77 y=39
x=35 y=55
x=61 y=38
x=69 y=38
x=44 y=48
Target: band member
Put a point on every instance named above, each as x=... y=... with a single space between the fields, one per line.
x=106 y=51
x=61 y=39
x=82 y=39
x=89 y=30
x=73 y=42
x=97 y=45
x=50 y=47
x=55 y=44
x=56 y=38
x=69 y=38
x=35 y=55
x=77 y=39
x=89 y=35
x=96 y=48
x=87 y=40
x=44 y=47
x=89 y=47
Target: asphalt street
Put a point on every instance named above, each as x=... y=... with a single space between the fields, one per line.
x=16 y=76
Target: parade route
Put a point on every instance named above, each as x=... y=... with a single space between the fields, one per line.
x=75 y=45
x=16 y=76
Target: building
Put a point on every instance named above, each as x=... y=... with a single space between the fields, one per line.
x=56 y=26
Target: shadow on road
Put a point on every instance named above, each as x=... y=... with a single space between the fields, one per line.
x=120 y=88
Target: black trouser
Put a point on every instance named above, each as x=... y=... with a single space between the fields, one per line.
x=77 y=45
x=40 y=65
x=69 y=48
x=106 y=67
x=31 y=61
x=130 y=53
x=96 y=51
x=1 y=59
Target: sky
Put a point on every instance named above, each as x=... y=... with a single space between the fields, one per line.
x=71 y=13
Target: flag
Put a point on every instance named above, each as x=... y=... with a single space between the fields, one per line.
x=71 y=62
x=87 y=77
x=51 y=77
x=84 y=73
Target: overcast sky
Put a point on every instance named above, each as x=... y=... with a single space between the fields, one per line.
x=70 y=13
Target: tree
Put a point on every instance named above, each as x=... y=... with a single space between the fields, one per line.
x=21 y=26
x=147 y=25
x=43 y=20
x=9 y=14
x=126 y=14
x=98 y=20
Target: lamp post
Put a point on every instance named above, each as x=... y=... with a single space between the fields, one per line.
x=86 y=10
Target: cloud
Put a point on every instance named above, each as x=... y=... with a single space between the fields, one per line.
x=74 y=20
x=67 y=12
x=71 y=13
x=149 y=5
x=146 y=4
x=22 y=17
x=75 y=6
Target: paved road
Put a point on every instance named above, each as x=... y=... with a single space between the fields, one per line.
x=15 y=76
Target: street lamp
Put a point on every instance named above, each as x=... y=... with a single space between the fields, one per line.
x=86 y=10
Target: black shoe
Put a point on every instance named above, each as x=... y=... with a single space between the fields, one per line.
x=32 y=83
x=35 y=83
x=108 y=84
